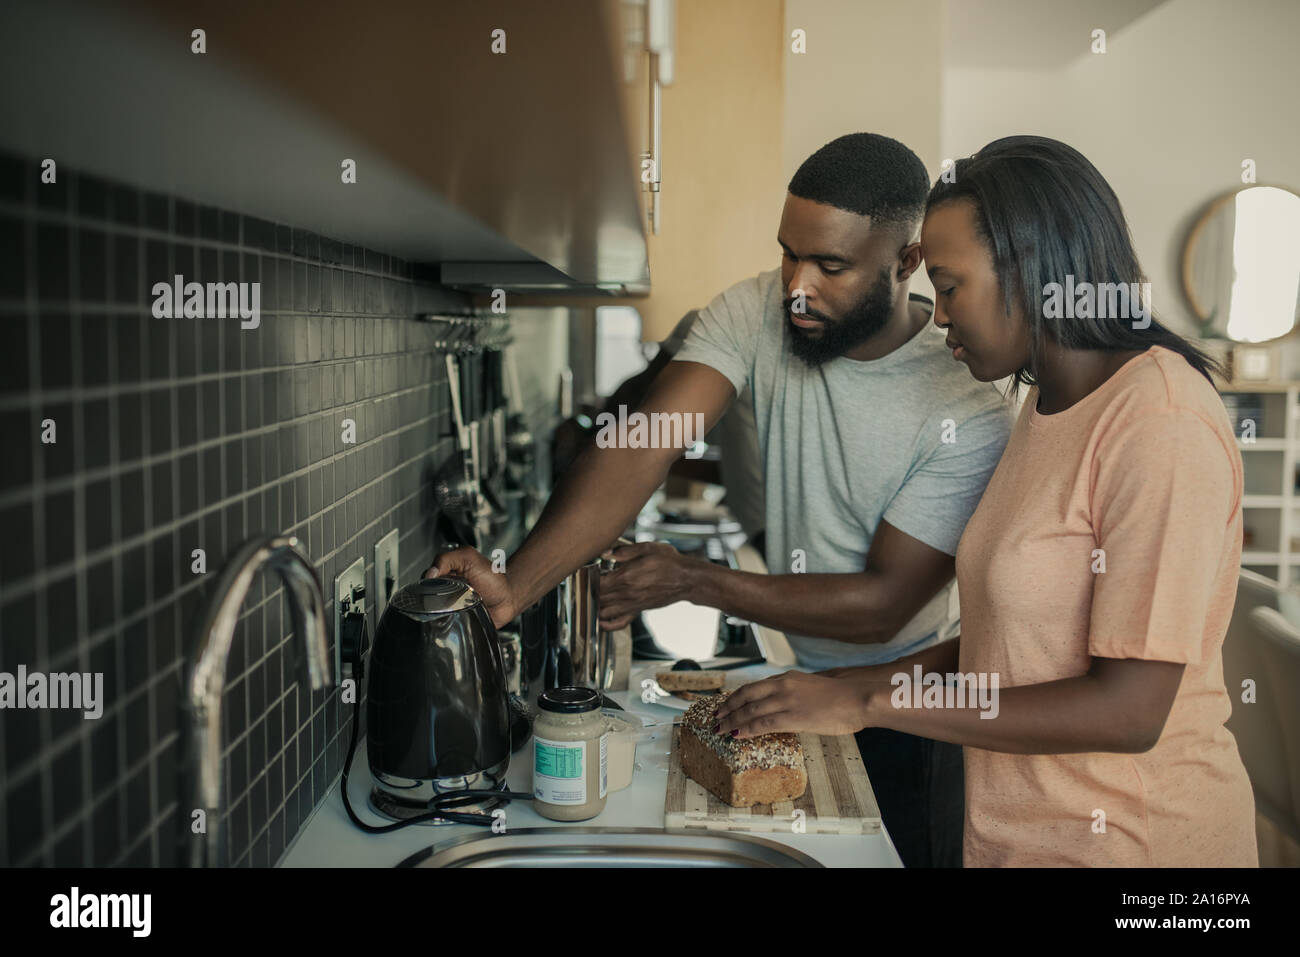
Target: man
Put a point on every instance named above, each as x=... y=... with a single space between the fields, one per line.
x=876 y=447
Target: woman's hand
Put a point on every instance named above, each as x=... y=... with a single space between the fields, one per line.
x=794 y=701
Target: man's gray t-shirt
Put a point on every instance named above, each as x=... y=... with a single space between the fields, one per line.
x=911 y=438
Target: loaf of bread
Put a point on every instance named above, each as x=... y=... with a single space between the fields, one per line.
x=740 y=772
x=675 y=681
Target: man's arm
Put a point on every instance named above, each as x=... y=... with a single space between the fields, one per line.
x=594 y=501
x=633 y=391
x=866 y=607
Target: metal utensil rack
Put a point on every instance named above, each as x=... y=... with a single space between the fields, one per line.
x=463 y=335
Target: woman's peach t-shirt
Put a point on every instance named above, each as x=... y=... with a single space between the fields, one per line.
x=1145 y=469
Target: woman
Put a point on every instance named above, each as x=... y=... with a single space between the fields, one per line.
x=1098 y=573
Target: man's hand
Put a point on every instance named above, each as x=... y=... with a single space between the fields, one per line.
x=794 y=701
x=493 y=587
x=647 y=575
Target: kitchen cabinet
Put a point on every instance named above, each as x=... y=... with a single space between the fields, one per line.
x=492 y=139
x=724 y=173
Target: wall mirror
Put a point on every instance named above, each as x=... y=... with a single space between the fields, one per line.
x=1241 y=264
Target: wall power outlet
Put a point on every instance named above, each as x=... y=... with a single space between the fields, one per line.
x=386 y=572
x=349 y=601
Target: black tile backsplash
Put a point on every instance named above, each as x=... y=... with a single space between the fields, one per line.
x=180 y=434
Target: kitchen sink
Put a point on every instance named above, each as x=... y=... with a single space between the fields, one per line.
x=609 y=847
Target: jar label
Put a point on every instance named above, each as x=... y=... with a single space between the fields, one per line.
x=560 y=771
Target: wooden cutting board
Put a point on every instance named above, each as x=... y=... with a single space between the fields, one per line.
x=838 y=799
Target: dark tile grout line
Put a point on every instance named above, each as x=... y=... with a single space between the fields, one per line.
x=367 y=488
x=20 y=401
x=75 y=220
x=77 y=483
x=397 y=293
x=38 y=538
x=121 y=624
x=335 y=741
x=64 y=483
x=407 y=356
x=150 y=610
x=411 y=567
x=78 y=466
x=264 y=657
x=114 y=455
x=159 y=817
x=150 y=759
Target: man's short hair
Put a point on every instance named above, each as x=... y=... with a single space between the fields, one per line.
x=867 y=174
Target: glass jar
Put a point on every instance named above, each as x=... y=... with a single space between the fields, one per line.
x=570 y=757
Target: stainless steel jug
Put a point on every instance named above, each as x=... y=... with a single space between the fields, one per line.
x=578 y=652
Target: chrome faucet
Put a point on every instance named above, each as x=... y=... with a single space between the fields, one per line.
x=202 y=836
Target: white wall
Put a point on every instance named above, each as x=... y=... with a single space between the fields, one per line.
x=872 y=67
x=1182 y=95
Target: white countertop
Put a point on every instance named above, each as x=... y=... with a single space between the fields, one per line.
x=330 y=839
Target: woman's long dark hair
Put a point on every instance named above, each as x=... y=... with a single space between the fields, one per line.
x=1045 y=213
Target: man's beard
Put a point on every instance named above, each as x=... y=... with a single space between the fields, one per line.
x=838 y=336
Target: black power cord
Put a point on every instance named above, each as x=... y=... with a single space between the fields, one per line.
x=437 y=812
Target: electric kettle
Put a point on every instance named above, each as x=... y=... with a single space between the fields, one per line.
x=437 y=709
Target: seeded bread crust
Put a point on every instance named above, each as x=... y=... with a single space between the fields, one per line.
x=693 y=695
x=691 y=680
x=741 y=773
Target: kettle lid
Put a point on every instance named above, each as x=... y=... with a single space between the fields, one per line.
x=434 y=596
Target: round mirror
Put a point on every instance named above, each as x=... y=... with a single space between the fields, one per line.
x=1241 y=265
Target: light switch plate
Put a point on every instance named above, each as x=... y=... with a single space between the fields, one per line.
x=349 y=595
x=386 y=571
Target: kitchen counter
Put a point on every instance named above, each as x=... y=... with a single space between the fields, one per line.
x=330 y=839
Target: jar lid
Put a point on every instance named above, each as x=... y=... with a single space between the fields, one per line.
x=433 y=596
x=568 y=700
